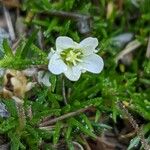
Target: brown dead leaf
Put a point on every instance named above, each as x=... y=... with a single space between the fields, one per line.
x=11 y=3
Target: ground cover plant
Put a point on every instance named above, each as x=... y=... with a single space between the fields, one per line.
x=74 y=74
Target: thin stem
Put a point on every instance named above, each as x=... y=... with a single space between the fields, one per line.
x=64 y=90
x=86 y=144
x=71 y=114
x=30 y=112
x=64 y=14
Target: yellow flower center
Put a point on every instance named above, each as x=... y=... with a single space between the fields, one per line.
x=71 y=56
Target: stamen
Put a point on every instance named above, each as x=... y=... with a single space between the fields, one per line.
x=71 y=56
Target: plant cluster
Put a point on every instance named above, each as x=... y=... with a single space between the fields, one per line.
x=53 y=110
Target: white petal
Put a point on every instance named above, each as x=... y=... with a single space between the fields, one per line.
x=64 y=42
x=93 y=63
x=43 y=78
x=56 y=64
x=73 y=73
x=88 y=45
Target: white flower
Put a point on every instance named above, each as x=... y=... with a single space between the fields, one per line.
x=73 y=58
x=43 y=78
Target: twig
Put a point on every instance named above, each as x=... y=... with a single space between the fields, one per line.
x=48 y=128
x=86 y=144
x=71 y=114
x=79 y=146
x=128 y=135
x=69 y=15
x=40 y=41
x=9 y=23
x=138 y=130
x=83 y=21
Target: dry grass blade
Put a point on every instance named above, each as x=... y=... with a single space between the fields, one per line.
x=148 y=48
x=133 y=45
x=9 y=24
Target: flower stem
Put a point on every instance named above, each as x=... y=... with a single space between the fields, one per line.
x=64 y=90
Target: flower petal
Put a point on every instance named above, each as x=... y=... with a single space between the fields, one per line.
x=93 y=63
x=88 y=45
x=64 y=42
x=73 y=73
x=56 y=64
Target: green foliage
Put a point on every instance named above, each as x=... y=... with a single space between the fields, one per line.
x=81 y=127
x=98 y=94
x=57 y=133
x=26 y=55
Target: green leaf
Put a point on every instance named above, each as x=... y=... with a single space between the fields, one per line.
x=7 y=125
x=115 y=111
x=15 y=140
x=97 y=116
x=41 y=114
x=55 y=97
x=133 y=143
x=26 y=48
x=70 y=145
x=87 y=122
x=11 y=107
x=87 y=103
x=32 y=137
x=7 y=49
x=84 y=129
x=53 y=82
x=68 y=132
x=146 y=128
x=57 y=132
x=66 y=27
